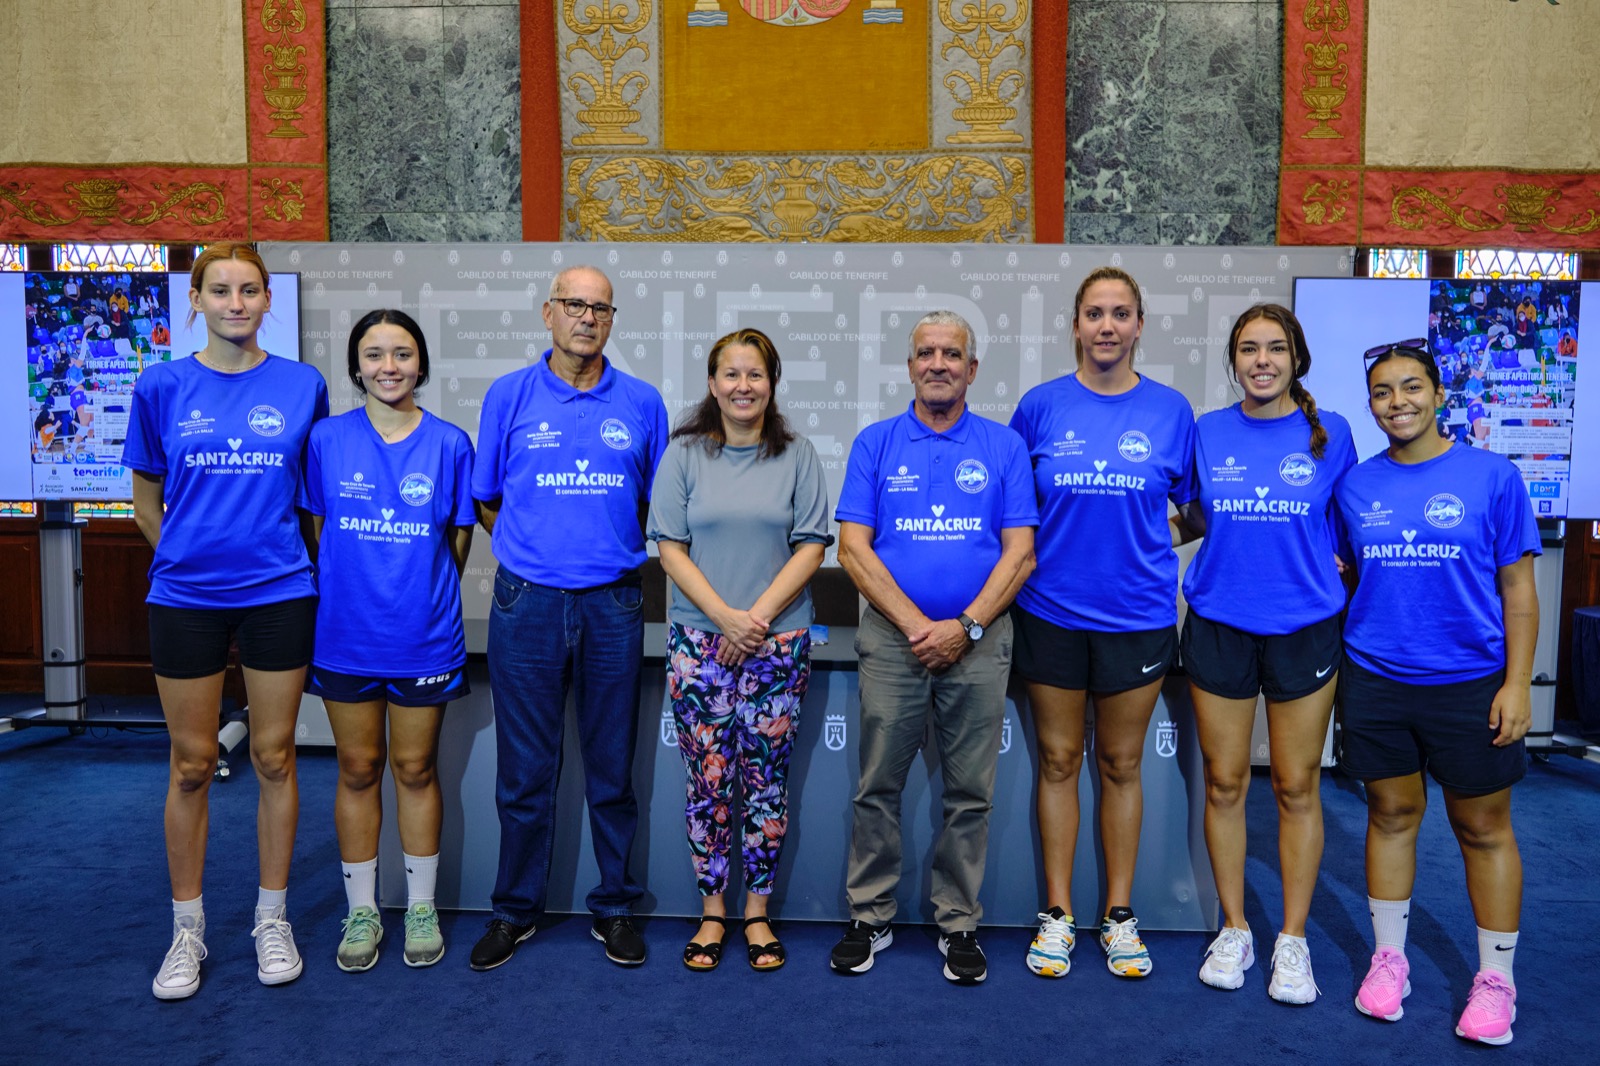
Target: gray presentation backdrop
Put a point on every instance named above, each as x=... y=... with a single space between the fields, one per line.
x=841 y=319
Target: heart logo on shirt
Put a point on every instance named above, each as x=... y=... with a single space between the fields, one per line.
x=1100 y=464
x=1409 y=534
x=234 y=442
x=583 y=464
x=388 y=513
x=938 y=510
x=1261 y=493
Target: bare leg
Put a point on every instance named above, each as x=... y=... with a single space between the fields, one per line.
x=1225 y=726
x=193 y=710
x=274 y=706
x=357 y=800
x=1489 y=848
x=1296 y=731
x=1058 y=715
x=1394 y=814
x=414 y=757
x=1121 y=721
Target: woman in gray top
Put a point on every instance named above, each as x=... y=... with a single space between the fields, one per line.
x=740 y=513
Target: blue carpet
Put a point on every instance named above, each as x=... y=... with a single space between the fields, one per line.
x=83 y=893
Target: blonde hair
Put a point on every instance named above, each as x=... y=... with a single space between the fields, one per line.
x=215 y=253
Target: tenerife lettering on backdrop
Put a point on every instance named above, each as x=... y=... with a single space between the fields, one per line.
x=840 y=317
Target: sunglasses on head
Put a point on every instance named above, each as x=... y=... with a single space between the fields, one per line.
x=1414 y=346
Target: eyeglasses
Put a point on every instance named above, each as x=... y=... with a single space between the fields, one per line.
x=575 y=308
x=1415 y=346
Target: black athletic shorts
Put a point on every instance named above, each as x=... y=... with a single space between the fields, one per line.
x=1048 y=654
x=1394 y=729
x=432 y=690
x=188 y=642
x=1237 y=665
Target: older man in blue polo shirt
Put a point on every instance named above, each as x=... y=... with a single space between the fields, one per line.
x=936 y=528
x=567 y=450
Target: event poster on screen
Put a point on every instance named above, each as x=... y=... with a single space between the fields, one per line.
x=1507 y=352
x=88 y=337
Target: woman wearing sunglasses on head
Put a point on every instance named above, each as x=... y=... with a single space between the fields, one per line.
x=1437 y=530
x=1267 y=467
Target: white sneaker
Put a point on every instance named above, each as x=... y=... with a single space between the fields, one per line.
x=1229 y=956
x=179 y=976
x=1291 y=972
x=277 y=959
x=1050 y=954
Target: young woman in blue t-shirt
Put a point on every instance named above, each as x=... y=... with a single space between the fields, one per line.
x=388 y=486
x=1446 y=529
x=215 y=442
x=1109 y=449
x=1264 y=599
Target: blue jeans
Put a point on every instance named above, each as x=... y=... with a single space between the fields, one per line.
x=541 y=640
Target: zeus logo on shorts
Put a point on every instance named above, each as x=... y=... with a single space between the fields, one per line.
x=265 y=420
x=1444 y=511
x=616 y=435
x=1134 y=446
x=971 y=476
x=416 y=489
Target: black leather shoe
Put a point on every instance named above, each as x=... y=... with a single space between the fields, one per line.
x=624 y=945
x=498 y=944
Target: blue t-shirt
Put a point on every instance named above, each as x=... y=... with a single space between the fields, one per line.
x=1266 y=565
x=1104 y=468
x=936 y=503
x=1428 y=541
x=571 y=470
x=230 y=448
x=390 y=595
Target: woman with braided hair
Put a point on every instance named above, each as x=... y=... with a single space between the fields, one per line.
x=1267 y=467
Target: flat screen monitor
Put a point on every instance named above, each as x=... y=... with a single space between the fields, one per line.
x=1507 y=352
x=79 y=342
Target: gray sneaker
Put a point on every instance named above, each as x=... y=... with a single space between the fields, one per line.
x=358 y=951
x=424 y=942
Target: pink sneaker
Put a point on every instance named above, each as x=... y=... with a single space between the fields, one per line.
x=1386 y=984
x=1491 y=1008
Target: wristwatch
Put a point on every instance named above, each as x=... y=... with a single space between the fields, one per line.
x=974 y=630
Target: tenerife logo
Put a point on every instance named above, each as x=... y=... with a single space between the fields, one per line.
x=833 y=732
x=1134 y=446
x=1444 y=511
x=1166 y=739
x=971 y=476
x=1297 y=469
x=616 y=435
x=669 y=730
x=266 y=421
x=1005 y=735
x=416 y=489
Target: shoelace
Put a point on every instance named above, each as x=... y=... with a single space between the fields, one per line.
x=183 y=958
x=274 y=943
x=360 y=928
x=1055 y=934
x=1385 y=974
x=1292 y=959
x=1489 y=993
x=420 y=922
x=1124 y=935
x=1230 y=945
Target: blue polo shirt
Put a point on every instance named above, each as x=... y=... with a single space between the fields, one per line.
x=571 y=470
x=1428 y=540
x=1266 y=565
x=1104 y=468
x=229 y=448
x=936 y=503
x=384 y=558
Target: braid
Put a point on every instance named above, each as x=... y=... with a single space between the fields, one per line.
x=1319 y=435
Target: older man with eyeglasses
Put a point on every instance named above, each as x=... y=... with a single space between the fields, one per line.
x=567 y=451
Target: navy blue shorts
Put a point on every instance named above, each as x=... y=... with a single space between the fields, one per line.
x=1047 y=654
x=1394 y=729
x=189 y=642
x=1236 y=665
x=433 y=690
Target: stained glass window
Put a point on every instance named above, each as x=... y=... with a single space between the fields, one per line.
x=103 y=510
x=115 y=257
x=16 y=508
x=1510 y=263
x=1397 y=263
x=13 y=257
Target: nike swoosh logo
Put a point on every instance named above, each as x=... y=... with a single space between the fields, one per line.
x=1147 y=669
x=1324 y=671
x=347 y=875
x=1503 y=947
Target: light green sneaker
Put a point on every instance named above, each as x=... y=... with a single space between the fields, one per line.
x=424 y=942
x=358 y=951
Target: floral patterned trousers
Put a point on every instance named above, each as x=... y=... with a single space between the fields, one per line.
x=736 y=722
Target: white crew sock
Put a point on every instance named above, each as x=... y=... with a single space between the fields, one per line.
x=361 y=883
x=1390 y=917
x=271 y=902
x=189 y=914
x=1497 y=951
x=422 y=873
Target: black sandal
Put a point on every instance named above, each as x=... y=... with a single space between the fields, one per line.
x=774 y=949
x=710 y=951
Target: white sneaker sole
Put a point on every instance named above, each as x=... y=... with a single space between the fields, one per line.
x=1399 y=1011
x=949 y=975
x=417 y=964
x=1227 y=981
x=282 y=977
x=362 y=969
x=877 y=946
x=175 y=991
x=1497 y=1041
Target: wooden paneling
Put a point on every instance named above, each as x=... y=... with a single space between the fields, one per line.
x=1580 y=587
x=21 y=631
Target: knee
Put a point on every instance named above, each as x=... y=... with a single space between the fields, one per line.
x=1225 y=790
x=192 y=772
x=1297 y=793
x=1482 y=833
x=273 y=765
x=413 y=773
x=1394 y=818
x=1119 y=769
x=360 y=771
x=1058 y=766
